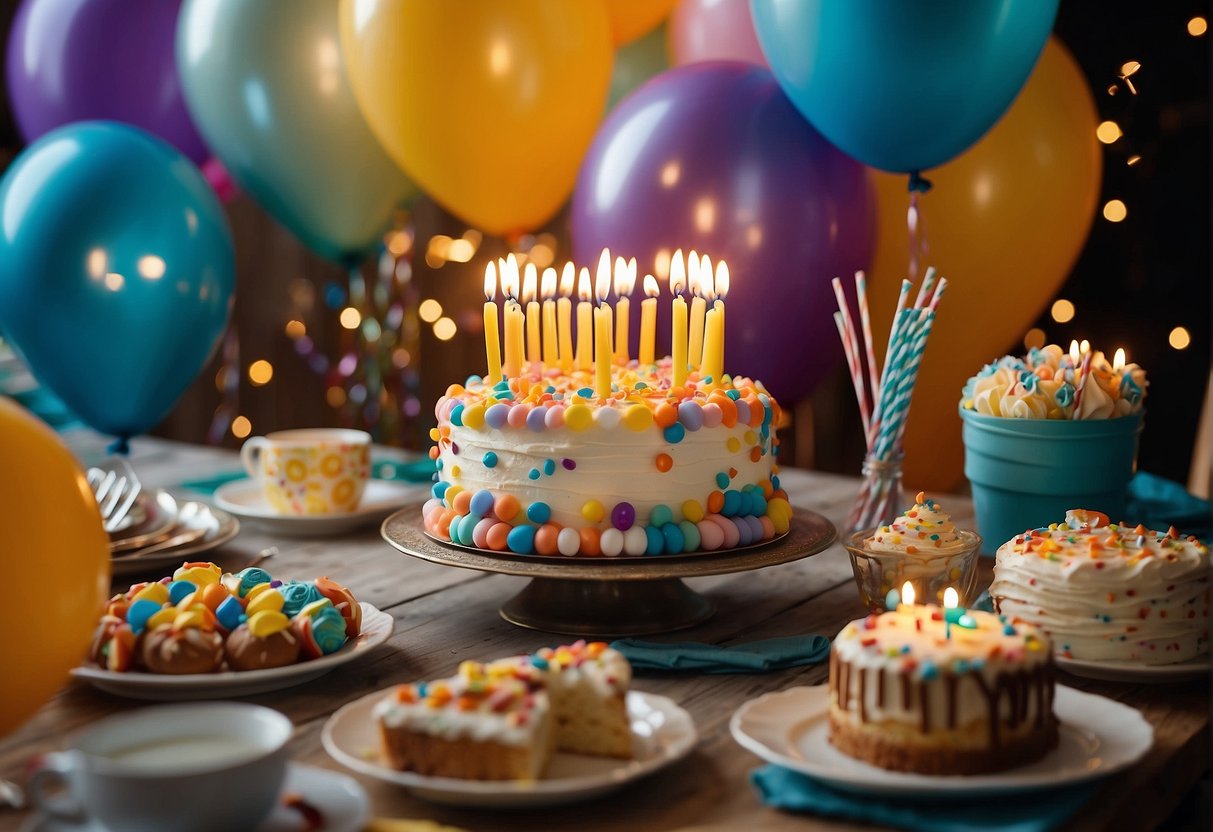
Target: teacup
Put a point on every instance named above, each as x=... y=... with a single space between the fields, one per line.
x=205 y=766
x=312 y=471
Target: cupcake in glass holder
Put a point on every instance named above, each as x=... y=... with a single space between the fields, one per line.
x=922 y=546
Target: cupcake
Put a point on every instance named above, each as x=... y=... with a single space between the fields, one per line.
x=262 y=642
x=186 y=645
x=321 y=629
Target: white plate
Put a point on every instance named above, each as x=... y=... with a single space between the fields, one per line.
x=245 y=499
x=226 y=528
x=159 y=509
x=340 y=799
x=1097 y=737
x=1113 y=671
x=376 y=628
x=662 y=733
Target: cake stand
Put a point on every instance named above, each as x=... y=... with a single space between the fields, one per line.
x=609 y=596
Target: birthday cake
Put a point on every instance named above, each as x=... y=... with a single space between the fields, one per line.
x=620 y=457
x=504 y=719
x=941 y=691
x=1108 y=592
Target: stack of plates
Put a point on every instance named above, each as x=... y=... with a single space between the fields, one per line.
x=159 y=531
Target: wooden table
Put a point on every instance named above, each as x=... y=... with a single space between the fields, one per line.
x=444 y=615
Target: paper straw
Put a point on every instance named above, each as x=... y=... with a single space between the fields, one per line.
x=853 y=365
x=928 y=283
x=939 y=290
x=865 y=321
x=1081 y=384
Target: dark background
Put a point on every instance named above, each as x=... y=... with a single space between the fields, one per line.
x=1135 y=281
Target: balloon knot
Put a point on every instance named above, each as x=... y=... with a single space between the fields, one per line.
x=919 y=183
x=121 y=446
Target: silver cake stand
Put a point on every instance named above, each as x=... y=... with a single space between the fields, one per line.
x=609 y=596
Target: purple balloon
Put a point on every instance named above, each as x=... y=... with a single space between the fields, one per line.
x=79 y=60
x=714 y=157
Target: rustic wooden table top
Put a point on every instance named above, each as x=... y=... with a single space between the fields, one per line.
x=444 y=615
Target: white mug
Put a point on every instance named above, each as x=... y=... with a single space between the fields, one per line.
x=203 y=766
x=314 y=471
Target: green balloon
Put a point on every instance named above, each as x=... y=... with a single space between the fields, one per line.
x=266 y=85
x=636 y=63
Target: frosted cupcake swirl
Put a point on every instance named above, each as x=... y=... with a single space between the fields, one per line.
x=925 y=529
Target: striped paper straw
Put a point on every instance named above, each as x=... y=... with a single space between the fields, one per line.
x=853 y=365
x=924 y=290
x=1084 y=371
x=865 y=321
x=897 y=408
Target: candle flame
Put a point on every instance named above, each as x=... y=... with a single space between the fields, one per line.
x=509 y=278
x=584 y=291
x=1118 y=362
x=1085 y=346
x=490 y=281
x=678 y=273
x=548 y=283
x=707 y=284
x=529 y=283
x=907 y=594
x=650 y=286
x=568 y=276
x=721 y=289
x=1074 y=354
x=951 y=599
x=625 y=282
x=602 y=281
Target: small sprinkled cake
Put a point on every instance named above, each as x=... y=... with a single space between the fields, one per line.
x=503 y=720
x=937 y=691
x=539 y=464
x=1108 y=592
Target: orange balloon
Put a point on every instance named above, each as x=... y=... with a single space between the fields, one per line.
x=55 y=556
x=1005 y=222
x=630 y=19
x=488 y=106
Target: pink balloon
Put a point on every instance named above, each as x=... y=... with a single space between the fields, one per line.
x=713 y=30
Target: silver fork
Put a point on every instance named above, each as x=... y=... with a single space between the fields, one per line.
x=115 y=491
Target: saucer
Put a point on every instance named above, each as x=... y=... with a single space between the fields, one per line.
x=221 y=528
x=1114 y=671
x=338 y=797
x=245 y=499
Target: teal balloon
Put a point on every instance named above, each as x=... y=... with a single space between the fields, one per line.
x=902 y=86
x=116 y=271
x=637 y=62
x=265 y=83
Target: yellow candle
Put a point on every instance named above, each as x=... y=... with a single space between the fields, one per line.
x=529 y=292
x=564 y=315
x=585 y=321
x=513 y=320
x=713 y=341
x=492 y=347
x=678 y=333
x=701 y=288
x=625 y=281
x=603 y=353
x=648 y=320
x=548 y=289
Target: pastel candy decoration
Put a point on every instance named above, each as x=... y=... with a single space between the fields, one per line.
x=320 y=634
x=199 y=573
x=139 y=612
x=344 y=602
x=120 y=652
x=315 y=607
x=163 y=618
x=269 y=599
x=248 y=578
x=296 y=595
x=229 y=613
x=265 y=623
x=193 y=619
x=635 y=541
x=152 y=592
x=177 y=590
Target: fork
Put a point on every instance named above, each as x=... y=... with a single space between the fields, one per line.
x=115 y=491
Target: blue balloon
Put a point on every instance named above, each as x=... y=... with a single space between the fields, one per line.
x=116 y=271
x=902 y=86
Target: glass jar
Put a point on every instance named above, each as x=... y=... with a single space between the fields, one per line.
x=879 y=500
x=876 y=572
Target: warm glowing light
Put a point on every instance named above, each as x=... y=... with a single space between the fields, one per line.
x=602 y=280
x=460 y=251
x=98 y=262
x=625 y=277
x=671 y=172
x=509 y=278
x=260 y=372
x=500 y=57
x=584 y=290
x=678 y=273
x=151 y=266
x=398 y=242
x=1197 y=26
x=907 y=594
x=241 y=427
x=1133 y=160
x=1075 y=355
x=1062 y=311
x=490 y=281
x=295 y=329
x=661 y=263
x=222 y=377
x=705 y=215
x=1114 y=210
x=1108 y=132
x=1179 y=338
x=114 y=281
x=401 y=358
x=1034 y=339
x=444 y=329
x=350 y=317
x=547 y=284
x=1084 y=346
x=951 y=599
x=568 y=276
x=430 y=310
x=721 y=286
x=650 y=286
x=1118 y=361
x=1128 y=68
x=541 y=255
x=335 y=396
x=530 y=283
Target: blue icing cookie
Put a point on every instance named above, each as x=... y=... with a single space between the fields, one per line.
x=296 y=595
x=328 y=630
x=250 y=578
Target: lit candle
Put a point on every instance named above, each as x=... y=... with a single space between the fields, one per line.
x=530 y=290
x=548 y=290
x=648 y=320
x=585 y=321
x=952 y=611
x=699 y=305
x=907 y=594
x=564 y=314
x=713 y=339
x=1085 y=346
x=603 y=353
x=625 y=282
x=678 y=333
x=1118 y=362
x=513 y=320
x=492 y=346
x=1075 y=355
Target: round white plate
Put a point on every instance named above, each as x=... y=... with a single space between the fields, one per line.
x=1112 y=671
x=376 y=628
x=224 y=527
x=662 y=733
x=789 y=728
x=159 y=509
x=245 y=499
x=340 y=799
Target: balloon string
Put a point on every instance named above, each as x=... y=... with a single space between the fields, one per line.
x=916 y=223
x=120 y=446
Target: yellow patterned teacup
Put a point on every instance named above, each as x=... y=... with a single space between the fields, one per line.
x=312 y=471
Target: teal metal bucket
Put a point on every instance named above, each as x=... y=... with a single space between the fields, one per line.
x=1027 y=473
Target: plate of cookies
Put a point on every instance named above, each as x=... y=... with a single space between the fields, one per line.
x=201 y=633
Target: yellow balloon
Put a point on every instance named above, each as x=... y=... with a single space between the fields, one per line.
x=631 y=19
x=489 y=106
x=55 y=556
x=1004 y=223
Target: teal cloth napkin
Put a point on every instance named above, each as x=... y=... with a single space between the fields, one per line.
x=420 y=470
x=782 y=788
x=749 y=657
x=1159 y=503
